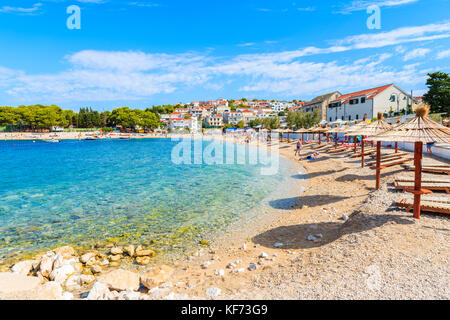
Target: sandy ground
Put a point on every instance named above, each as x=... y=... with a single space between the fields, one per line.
x=379 y=252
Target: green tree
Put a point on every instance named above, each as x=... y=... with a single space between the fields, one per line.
x=271 y=123
x=124 y=117
x=9 y=116
x=438 y=95
x=241 y=124
x=148 y=120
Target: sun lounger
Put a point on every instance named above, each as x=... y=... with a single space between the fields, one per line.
x=337 y=150
x=322 y=146
x=425 y=178
x=389 y=155
x=433 y=169
x=373 y=162
x=437 y=186
x=426 y=163
x=425 y=205
x=366 y=153
x=434 y=197
x=394 y=162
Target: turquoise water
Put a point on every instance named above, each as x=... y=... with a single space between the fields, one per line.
x=125 y=191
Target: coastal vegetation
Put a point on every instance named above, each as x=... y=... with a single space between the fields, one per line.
x=267 y=123
x=300 y=119
x=438 y=95
x=39 y=117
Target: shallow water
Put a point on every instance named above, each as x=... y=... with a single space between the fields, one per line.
x=124 y=191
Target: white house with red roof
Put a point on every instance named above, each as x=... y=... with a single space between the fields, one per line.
x=353 y=106
x=215 y=120
x=181 y=123
x=232 y=117
x=182 y=110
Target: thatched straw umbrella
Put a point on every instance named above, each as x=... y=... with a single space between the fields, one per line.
x=396 y=142
x=317 y=130
x=374 y=128
x=302 y=131
x=282 y=131
x=336 y=130
x=353 y=129
x=419 y=130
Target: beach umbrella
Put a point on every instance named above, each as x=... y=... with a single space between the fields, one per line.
x=337 y=130
x=374 y=128
x=419 y=130
x=350 y=132
x=302 y=131
x=317 y=130
x=280 y=131
x=396 y=142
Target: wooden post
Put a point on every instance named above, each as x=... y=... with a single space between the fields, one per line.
x=319 y=138
x=378 y=165
x=354 y=141
x=417 y=177
x=303 y=137
x=335 y=140
x=362 y=151
x=288 y=137
x=396 y=147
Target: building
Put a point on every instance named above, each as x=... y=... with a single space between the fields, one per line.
x=181 y=123
x=171 y=116
x=389 y=100
x=247 y=116
x=264 y=112
x=298 y=106
x=181 y=111
x=232 y=117
x=215 y=120
x=321 y=103
x=278 y=106
x=201 y=112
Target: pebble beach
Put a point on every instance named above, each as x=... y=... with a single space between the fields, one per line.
x=345 y=241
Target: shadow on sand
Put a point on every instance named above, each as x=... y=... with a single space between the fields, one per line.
x=352 y=177
x=317 y=200
x=294 y=236
x=316 y=174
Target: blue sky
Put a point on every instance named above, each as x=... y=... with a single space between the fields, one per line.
x=143 y=53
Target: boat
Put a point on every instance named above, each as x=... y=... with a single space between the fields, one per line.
x=52 y=141
x=91 y=138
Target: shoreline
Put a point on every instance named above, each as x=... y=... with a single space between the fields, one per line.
x=246 y=222
x=377 y=252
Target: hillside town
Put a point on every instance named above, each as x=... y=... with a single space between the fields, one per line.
x=330 y=107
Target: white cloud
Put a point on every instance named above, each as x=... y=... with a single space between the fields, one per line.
x=132 y=60
x=307 y=9
x=443 y=54
x=145 y=4
x=416 y=53
x=363 y=5
x=134 y=75
x=19 y=10
x=248 y=44
x=398 y=36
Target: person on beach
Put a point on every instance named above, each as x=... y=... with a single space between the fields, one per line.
x=429 y=146
x=310 y=157
x=299 y=147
